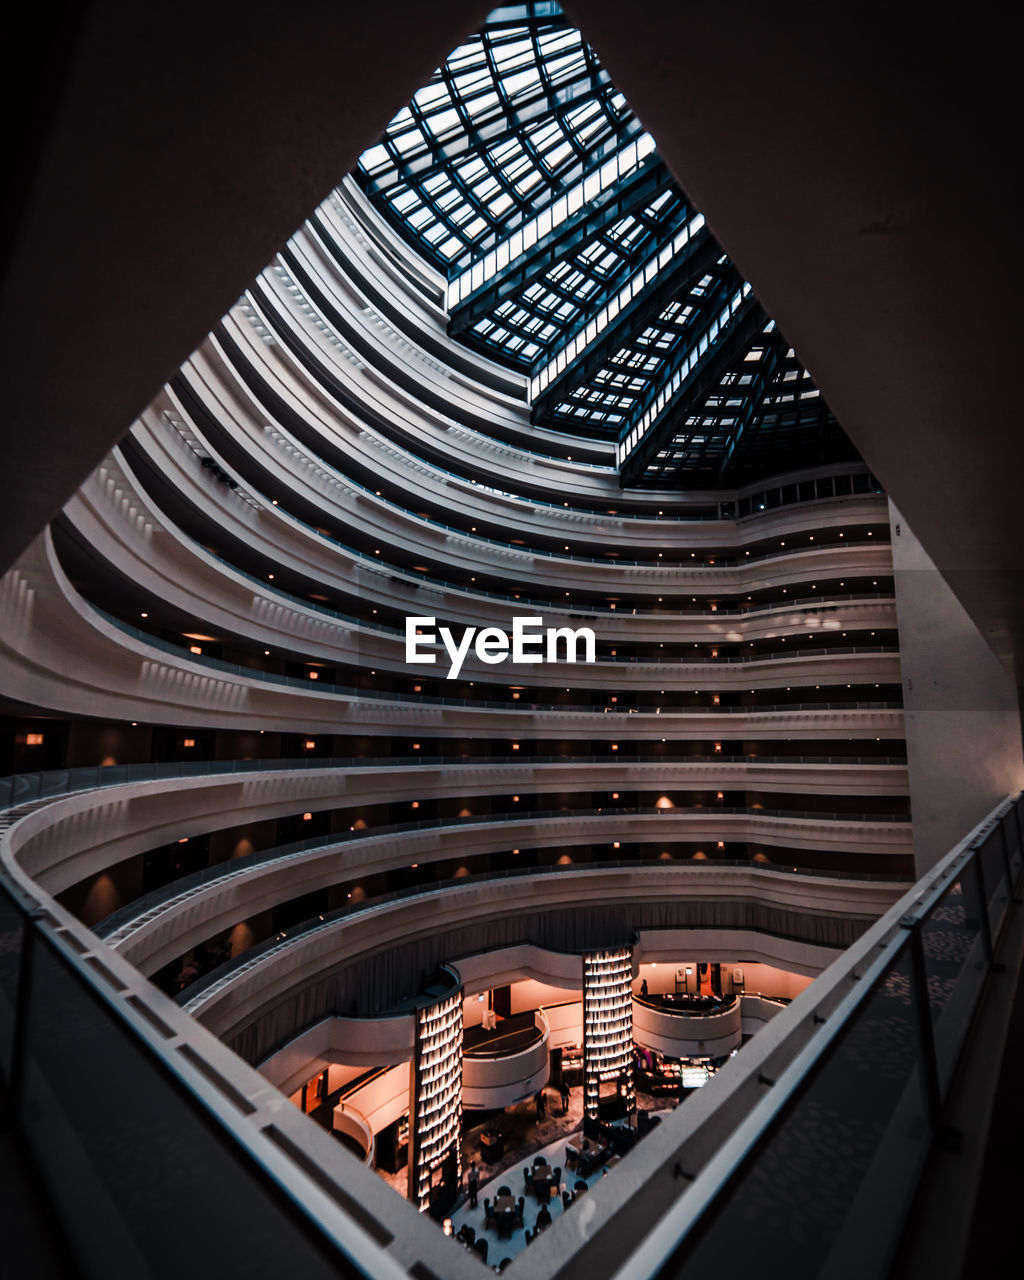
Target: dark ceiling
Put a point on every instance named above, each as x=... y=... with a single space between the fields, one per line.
x=859 y=165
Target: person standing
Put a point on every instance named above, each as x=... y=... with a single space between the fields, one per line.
x=643 y=989
x=540 y=1104
x=474 y=1184
x=563 y=1089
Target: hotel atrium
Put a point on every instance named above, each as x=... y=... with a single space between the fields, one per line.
x=300 y=920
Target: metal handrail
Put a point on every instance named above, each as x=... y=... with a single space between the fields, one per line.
x=20 y=788
x=891 y=960
x=235 y=867
x=237 y=966
x=468 y=704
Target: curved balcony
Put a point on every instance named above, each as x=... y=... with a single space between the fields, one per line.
x=64 y=655
x=686 y=1026
x=505 y=1064
x=387 y=1040
x=278 y=465
x=757 y=1009
x=410 y=448
x=376 y=952
x=116 y=519
x=355 y=1132
x=274 y=460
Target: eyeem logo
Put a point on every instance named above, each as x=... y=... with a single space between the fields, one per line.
x=530 y=641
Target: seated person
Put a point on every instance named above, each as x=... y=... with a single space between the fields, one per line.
x=543 y=1218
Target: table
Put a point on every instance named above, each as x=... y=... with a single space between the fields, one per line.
x=542 y=1178
x=505 y=1208
x=592 y=1156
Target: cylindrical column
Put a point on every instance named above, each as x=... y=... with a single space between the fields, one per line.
x=608 y=1031
x=435 y=1146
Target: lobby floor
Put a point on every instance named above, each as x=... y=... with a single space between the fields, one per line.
x=525 y=1135
x=509 y=1171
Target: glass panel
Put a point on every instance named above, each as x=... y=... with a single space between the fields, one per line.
x=143 y=1181
x=25 y=787
x=831 y=1183
x=10 y=964
x=993 y=867
x=955 y=964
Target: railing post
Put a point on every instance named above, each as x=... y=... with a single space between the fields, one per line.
x=1011 y=815
x=1004 y=845
x=929 y=1060
x=986 y=927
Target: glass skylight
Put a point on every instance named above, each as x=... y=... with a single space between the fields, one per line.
x=573 y=256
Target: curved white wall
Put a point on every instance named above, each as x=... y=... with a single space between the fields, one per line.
x=682 y=1035
x=499 y=1081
